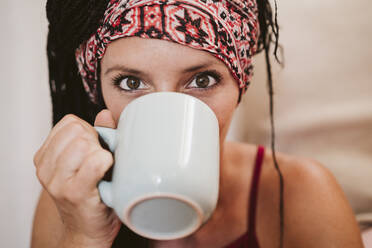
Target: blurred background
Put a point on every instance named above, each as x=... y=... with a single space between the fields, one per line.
x=323 y=101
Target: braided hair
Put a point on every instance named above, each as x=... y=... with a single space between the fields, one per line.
x=71 y=22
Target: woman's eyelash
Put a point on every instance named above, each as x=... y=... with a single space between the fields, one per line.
x=213 y=73
x=117 y=81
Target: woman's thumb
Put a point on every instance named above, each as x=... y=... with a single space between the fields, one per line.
x=105 y=119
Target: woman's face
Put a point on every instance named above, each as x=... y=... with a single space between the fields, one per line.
x=133 y=67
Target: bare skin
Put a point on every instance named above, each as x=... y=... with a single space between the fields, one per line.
x=71 y=162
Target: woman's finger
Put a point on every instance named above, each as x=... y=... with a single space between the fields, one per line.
x=105 y=119
x=71 y=158
x=46 y=164
x=66 y=120
x=94 y=167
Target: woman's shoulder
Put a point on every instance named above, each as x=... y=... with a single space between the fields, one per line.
x=303 y=177
x=314 y=204
x=298 y=172
x=292 y=167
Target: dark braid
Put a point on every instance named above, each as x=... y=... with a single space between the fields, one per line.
x=269 y=28
x=73 y=21
x=70 y=23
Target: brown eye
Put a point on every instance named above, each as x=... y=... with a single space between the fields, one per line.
x=133 y=83
x=130 y=83
x=202 y=81
x=205 y=80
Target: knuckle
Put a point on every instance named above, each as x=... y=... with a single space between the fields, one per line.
x=100 y=162
x=42 y=171
x=75 y=127
x=69 y=118
x=39 y=155
x=41 y=176
x=36 y=158
x=105 y=157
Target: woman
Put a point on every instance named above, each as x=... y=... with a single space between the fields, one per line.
x=125 y=49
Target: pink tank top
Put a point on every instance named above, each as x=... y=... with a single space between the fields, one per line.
x=249 y=239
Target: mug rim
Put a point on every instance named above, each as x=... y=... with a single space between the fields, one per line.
x=174 y=196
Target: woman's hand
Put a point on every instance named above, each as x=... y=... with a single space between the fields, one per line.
x=69 y=165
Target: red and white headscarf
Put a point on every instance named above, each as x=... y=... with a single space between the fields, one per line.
x=226 y=28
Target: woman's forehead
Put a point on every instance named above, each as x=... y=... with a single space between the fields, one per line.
x=134 y=51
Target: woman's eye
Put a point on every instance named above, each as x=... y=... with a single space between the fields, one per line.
x=130 y=83
x=204 y=81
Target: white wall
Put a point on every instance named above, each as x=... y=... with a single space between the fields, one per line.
x=24 y=114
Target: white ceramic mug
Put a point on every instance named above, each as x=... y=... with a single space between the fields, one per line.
x=166 y=174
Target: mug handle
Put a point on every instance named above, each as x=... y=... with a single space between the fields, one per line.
x=105 y=188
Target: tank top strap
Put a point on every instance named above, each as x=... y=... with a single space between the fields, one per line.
x=253 y=197
x=249 y=239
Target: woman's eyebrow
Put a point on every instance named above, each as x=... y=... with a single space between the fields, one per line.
x=124 y=69
x=138 y=72
x=198 y=67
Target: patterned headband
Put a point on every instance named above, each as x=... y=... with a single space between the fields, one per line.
x=226 y=28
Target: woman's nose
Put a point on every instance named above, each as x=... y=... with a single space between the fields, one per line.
x=166 y=86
